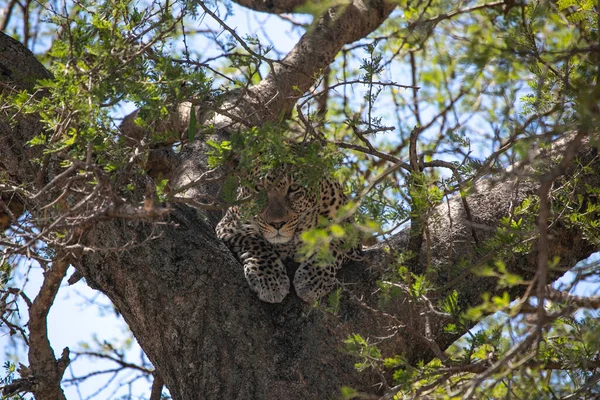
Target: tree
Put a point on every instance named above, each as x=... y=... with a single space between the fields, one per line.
x=498 y=195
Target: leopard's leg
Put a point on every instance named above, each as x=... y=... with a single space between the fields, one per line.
x=314 y=280
x=263 y=269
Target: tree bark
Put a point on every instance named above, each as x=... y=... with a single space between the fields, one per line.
x=272 y=6
x=184 y=296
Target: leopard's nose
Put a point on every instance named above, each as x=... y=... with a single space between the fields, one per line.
x=277 y=225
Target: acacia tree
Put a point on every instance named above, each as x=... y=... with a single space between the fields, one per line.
x=485 y=191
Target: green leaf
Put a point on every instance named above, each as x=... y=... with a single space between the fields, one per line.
x=37 y=140
x=349 y=393
x=333 y=300
x=450 y=304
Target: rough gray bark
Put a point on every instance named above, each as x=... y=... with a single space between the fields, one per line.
x=185 y=298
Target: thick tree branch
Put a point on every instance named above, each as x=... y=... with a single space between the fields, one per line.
x=314 y=52
x=45 y=368
x=272 y=6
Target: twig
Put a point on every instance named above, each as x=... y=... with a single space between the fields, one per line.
x=354 y=82
x=235 y=35
x=544 y=194
x=454 y=13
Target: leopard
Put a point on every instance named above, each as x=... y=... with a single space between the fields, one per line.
x=271 y=235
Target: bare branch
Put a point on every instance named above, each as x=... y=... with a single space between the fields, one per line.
x=157 y=386
x=452 y=14
x=46 y=369
x=544 y=213
x=592 y=302
x=232 y=31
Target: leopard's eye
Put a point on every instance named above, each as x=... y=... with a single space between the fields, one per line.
x=259 y=187
x=293 y=188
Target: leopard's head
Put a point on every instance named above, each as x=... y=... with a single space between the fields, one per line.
x=289 y=208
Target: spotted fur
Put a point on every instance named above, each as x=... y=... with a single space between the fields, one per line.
x=264 y=240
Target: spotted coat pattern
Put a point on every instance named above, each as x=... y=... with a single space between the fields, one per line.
x=264 y=240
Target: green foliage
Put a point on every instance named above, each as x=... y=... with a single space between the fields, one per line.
x=161 y=193
x=348 y=393
x=558 y=368
x=424 y=194
x=449 y=304
x=99 y=62
x=490 y=304
x=513 y=238
x=317 y=242
x=382 y=204
x=7 y=378
x=218 y=152
x=333 y=301
x=579 y=208
x=269 y=147
x=5 y=274
x=369 y=354
x=499 y=270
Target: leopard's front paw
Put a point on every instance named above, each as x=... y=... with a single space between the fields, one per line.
x=313 y=282
x=268 y=280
